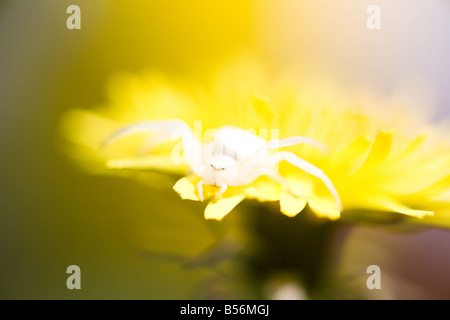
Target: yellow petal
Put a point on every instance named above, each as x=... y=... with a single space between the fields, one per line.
x=325 y=207
x=264 y=189
x=218 y=209
x=387 y=203
x=395 y=206
x=379 y=151
x=186 y=189
x=263 y=107
x=442 y=196
x=411 y=149
x=301 y=187
x=416 y=213
x=86 y=127
x=154 y=162
x=291 y=205
x=351 y=158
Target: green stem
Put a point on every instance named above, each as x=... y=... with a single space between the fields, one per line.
x=300 y=247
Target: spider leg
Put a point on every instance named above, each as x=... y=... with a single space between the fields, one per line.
x=307 y=167
x=200 y=190
x=255 y=160
x=221 y=191
x=290 y=141
x=168 y=129
x=153 y=141
x=145 y=126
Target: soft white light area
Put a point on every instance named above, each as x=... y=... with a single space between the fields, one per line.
x=323 y=37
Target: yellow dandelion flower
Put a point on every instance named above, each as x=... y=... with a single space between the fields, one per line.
x=242 y=136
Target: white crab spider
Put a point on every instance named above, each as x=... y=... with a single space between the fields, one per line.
x=235 y=157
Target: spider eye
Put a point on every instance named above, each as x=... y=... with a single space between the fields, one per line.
x=217 y=168
x=220 y=163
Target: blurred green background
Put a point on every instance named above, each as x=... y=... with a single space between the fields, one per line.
x=128 y=243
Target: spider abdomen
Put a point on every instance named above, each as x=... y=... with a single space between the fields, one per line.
x=236 y=143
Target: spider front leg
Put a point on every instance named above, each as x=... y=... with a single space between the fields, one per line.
x=291 y=141
x=307 y=167
x=200 y=190
x=166 y=130
x=162 y=126
x=221 y=191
